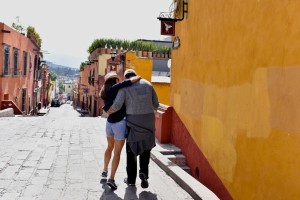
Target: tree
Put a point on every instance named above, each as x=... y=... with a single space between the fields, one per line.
x=53 y=76
x=61 y=87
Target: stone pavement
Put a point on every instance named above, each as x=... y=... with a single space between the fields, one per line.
x=60 y=156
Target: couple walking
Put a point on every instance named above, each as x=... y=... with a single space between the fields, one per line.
x=130 y=105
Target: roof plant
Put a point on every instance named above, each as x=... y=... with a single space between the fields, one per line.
x=118 y=43
x=82 y=66
x=31 y=33
x=133 y=45
x=126 y=44
x=97 y=43
x=139 y=46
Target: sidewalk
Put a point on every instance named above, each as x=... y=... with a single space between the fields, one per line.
x=182 y=178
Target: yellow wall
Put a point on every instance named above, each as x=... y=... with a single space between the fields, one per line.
x=163 y=92
x=142 y=65
x=235 y=85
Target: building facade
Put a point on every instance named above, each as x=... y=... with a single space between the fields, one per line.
x=19 y=59
x=235 y=78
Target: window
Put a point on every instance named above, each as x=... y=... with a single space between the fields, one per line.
x=30 y=63
x=16 y=61
x=35 y=75
x=23 y=99
x=6 y=96
x=5 y=59
x=25 y=54
x=29 y=108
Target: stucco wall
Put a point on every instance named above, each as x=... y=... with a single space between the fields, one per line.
x=235 y=82
x=142 y=65
x=163 y=92
x=12 y=85
x=102 y=61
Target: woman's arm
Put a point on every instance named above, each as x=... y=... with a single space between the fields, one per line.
x=125 y=83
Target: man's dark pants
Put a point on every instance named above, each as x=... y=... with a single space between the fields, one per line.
x=131 y=167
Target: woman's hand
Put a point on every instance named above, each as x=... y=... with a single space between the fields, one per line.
x=135 y=79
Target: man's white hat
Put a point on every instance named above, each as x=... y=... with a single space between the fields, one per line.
x=129 y=71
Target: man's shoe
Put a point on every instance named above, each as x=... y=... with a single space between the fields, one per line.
x=144 y=183
x=104 y=174
x=129 y=184
x=111 y=183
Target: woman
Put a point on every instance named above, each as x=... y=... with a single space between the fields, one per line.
x=115 y=125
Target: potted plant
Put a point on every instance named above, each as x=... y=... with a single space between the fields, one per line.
x=154 y=51
x=145 y=49
x=132 y=45
x=102 y=43
x=126 y=45
x=166 y=51
x=118 y=46
x=139 y=48
x=150 y=49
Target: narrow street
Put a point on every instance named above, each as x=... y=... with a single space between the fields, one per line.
x=60 y=156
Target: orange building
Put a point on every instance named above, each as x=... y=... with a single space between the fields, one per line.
x=90 y=82
x=46 y=84
x=83 y=87
x=234 y=90
x=19 y=58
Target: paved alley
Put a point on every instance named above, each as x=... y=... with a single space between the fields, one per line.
x=60 y=156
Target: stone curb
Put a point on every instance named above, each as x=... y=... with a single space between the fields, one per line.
x=185 y=180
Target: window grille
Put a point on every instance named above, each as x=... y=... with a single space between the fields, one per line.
x=5 y=59
x=16 y=61
x=25 y=55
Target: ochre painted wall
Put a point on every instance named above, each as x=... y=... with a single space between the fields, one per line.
x=235 y=83
x=163 y=92
x=142 y=65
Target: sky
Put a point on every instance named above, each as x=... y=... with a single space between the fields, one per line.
x=68 y=27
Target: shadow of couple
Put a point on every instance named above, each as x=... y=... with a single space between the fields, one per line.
x=130 y=193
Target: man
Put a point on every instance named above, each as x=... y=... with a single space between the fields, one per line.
x=140 y=101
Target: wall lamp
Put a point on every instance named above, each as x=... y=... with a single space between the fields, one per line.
x=176 y=6
x=113 y=54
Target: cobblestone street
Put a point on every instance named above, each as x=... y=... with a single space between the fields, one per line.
x=60 y=156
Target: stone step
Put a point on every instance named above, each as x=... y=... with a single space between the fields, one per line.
x=178 y=159
x=167 y=149
x=186 y=169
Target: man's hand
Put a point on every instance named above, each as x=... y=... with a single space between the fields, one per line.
x=135 y=79
x=110 y=111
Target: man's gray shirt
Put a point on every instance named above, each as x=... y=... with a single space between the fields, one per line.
x=140 y=98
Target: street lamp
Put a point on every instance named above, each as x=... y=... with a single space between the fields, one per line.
x=113 y=54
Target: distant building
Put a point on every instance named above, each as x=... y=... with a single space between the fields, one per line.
x=69 y=87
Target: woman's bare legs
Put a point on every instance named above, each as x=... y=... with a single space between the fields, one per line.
x=116 y=159
x=108 y=151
